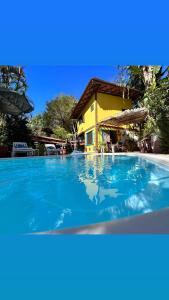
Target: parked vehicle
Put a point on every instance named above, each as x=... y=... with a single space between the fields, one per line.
x=50 y=149
x=58 y=148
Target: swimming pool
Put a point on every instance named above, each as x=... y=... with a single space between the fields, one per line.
x=46 y=193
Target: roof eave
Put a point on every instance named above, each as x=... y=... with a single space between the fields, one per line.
x=97 y=83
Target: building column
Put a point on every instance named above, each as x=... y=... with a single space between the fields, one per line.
x=96 y=122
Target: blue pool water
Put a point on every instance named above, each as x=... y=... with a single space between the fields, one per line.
x=40 y=194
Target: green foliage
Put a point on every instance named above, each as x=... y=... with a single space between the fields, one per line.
x=58 y=112
x=157 y=102
x=17 y=130
x=131 y=145
x=3 y=131
x=36 y=124
x=41 y=148
x=13 y=78
x=122 y=75
x=164 y=136
x=143 y=77
x=131 y=76
x=56 y=119
x=150 y=127
x=13 y=128
x=61 y=133
x=136 y=79
x=153 y=82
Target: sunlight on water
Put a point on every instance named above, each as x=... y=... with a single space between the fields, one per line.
x=39 y=194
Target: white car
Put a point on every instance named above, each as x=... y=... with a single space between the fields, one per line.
x=50 y=149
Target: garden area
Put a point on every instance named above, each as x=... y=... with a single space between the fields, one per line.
x=54 y=122
x=152 y=83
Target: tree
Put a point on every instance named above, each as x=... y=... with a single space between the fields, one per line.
x=13 y=78
x=153 y=82
x=58 y=112
x=3 y=130
x=131 y=76
x=61 y=133
x=143 y=77
x=14 y=128
x=36 y=124
x=55 y=120
x=157 y=102
x=17 y=129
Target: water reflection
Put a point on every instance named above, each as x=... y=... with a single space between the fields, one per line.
x=107 y=177
x=50 y=193
x=123 y=186
x=61 y=218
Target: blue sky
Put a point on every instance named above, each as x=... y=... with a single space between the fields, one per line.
x=46 y=82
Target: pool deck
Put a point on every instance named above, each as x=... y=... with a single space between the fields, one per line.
x=151 y=223
x=157 y=158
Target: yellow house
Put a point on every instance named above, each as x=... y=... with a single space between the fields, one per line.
x=100 y=101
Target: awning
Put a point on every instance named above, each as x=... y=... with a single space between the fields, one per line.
x=132 y=116
x=14 y=103
x=109 y=127
x=46 y=139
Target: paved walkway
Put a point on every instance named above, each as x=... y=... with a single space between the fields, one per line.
x=159 y=158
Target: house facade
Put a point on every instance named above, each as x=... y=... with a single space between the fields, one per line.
x=100 y=101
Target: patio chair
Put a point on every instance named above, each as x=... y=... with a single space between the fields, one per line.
x=120 y=147
x=21 y=147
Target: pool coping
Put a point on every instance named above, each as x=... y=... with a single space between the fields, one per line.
x=151 y=223
x=156 y=222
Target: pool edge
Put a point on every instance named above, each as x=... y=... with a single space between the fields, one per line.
x=156 y=222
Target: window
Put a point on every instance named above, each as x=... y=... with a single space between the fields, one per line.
x=92 y=107
x=89 y=138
